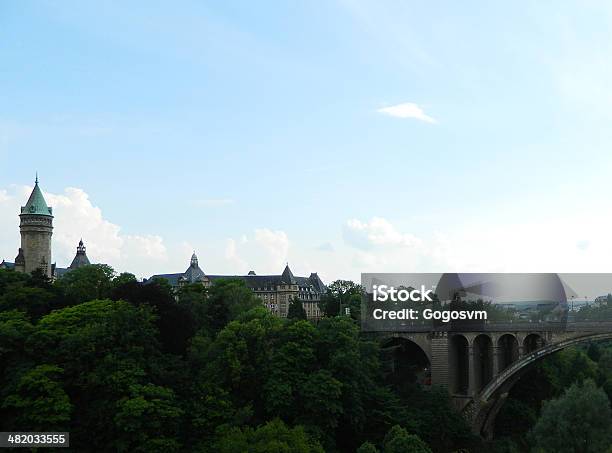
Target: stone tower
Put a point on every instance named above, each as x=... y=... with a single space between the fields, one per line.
x=36 y=228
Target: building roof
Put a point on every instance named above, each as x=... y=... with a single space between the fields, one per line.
x=287 y=276
x=20 y=258
x=316 y=281
x=255 y=282
x=80 y=259
x=36 y=204
x=6 y=265
x=173 y=279
x=193 y=274
x=59 y=272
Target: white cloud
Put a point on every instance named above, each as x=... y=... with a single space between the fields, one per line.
x=563 y=244
x=265 y=251
x=407 y=110
x=275 y=243
x=231 y=255
x=75 y=218
x=377 y=232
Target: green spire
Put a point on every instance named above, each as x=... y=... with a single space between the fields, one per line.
x=36 y=204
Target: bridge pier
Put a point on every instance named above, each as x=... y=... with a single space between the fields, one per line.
x=472 y=371
x=439 y=359
x=496 y=352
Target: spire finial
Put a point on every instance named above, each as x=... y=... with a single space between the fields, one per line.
x=36 y=182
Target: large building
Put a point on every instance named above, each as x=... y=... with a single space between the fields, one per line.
x=275 y=291
x=36 y=228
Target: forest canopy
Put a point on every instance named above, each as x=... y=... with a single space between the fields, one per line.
x=127 y=366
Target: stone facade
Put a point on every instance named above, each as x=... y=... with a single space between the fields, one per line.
x=275 y=291
x=36 y=228
x=36 y=235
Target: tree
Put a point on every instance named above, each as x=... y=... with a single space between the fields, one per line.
x=38 y=402
x=209 y=407
x=36 y=302
x=273 y=437
x=594 y=352
x=15 y=328
x=605 y=363
x=432 y=417
x=194 y=298
x=321 y=401
x=147 y=420
x=398 y=440
x=32 y=294
x=238 y=360
x=296 y=309
x=227 y=299
x=567 y=367
x=292 y=362
x=87 y=283
x=342 y=294
x=175 y=321
x=578 y=421
x=10 y=279
x=354 y=363
x=124 y=278
x=104 y=348
x=367 y=447
x=514 y=418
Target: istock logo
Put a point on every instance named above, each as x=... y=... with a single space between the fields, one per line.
x=383 y=293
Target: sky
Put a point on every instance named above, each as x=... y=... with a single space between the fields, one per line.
x=339 y=136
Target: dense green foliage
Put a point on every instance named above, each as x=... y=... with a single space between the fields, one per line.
x=296 y=310
x=126 y=366
x=398 y=440
x=342 y=295
x=564 y=397
x=578 y=421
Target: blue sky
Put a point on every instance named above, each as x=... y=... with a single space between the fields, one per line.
x=202 y=123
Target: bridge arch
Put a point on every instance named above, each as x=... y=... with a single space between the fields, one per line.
x=481 y=411
x=404 y=358
x=533 y=342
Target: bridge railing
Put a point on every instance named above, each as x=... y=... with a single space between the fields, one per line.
x=581 y=326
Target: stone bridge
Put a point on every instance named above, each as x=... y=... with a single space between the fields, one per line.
x=479 y=366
